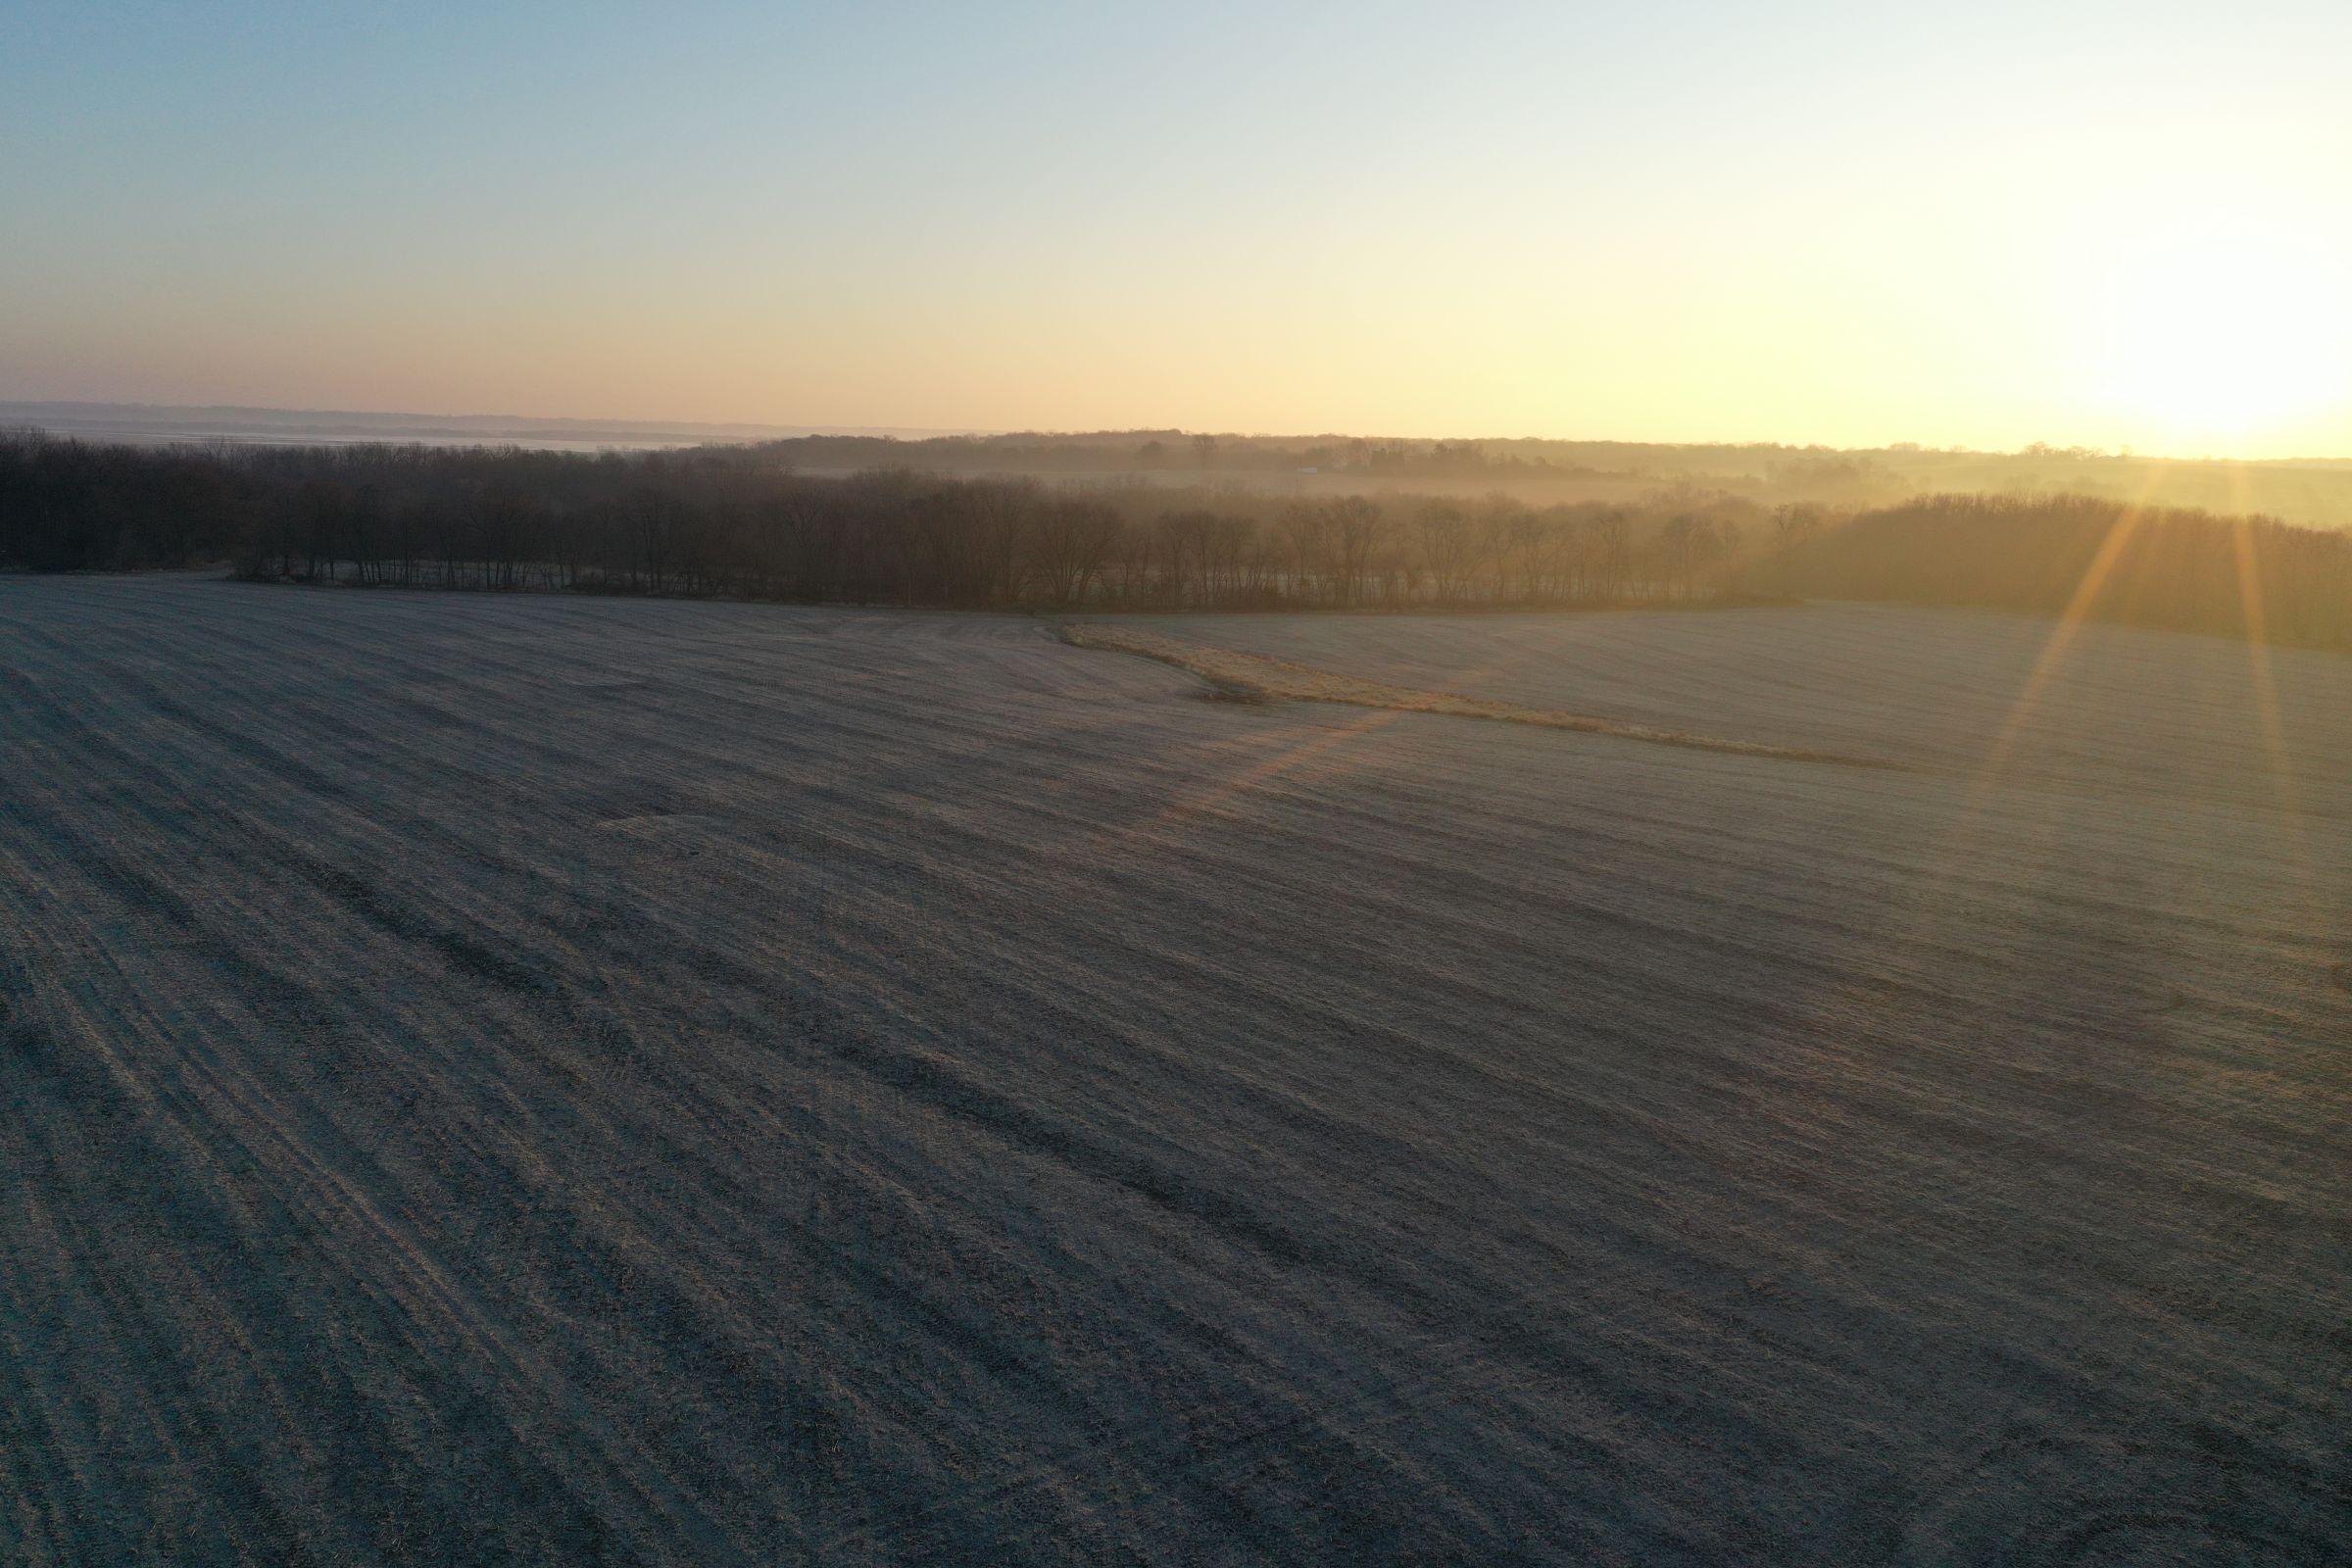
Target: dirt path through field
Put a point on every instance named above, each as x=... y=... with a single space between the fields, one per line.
x=1255 y=675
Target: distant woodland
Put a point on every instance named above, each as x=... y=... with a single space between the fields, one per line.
x=750 y=521
x=1543 y=472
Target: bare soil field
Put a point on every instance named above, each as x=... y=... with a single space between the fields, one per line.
x=526 y=1079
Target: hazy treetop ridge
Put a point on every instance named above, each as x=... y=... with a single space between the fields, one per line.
x=2314 y=490
x=744 y=522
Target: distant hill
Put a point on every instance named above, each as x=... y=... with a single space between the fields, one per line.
x=2314 y=491
x=161 y=424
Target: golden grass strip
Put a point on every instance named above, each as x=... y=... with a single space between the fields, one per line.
x=1277 y=679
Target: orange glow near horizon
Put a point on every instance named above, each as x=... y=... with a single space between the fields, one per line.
x=1791 y=224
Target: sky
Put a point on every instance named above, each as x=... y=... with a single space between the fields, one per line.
x=1983 y=224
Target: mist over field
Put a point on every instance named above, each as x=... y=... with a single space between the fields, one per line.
x=745 y=521
x=1540 y=473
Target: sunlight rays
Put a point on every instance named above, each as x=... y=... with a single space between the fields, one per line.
x=1215 y=795
x=1927 y=905
x=2062 y=636
x=2264 y=680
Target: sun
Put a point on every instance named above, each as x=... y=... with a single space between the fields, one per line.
x=2219 y=333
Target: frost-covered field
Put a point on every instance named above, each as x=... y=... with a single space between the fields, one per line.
x=529 y=1079
x=2121 y=711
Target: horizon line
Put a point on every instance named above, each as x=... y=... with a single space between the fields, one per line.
x=779 y=430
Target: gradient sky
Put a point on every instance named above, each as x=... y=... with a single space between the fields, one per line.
x=1978 y=224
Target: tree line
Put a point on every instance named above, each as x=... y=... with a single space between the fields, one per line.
x=2249 y=577
x=735 y=522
